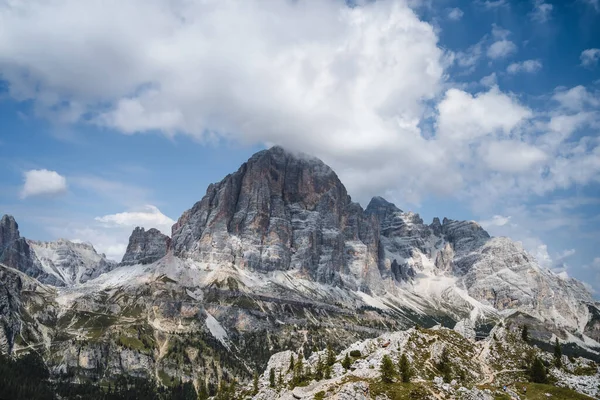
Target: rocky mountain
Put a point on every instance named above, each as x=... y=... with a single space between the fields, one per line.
x=146 y=247
x=441 y=364
x=274 y=257
x=60 y=263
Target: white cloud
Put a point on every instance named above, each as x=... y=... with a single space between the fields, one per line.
x=463 y=116
x=455 y=14
x=501 y=49
x=541 y=11
x=500 y=33
x=489 y=80
x=40 y=182
x=496 y=220
x=512 y=156
x=349 y=85
x=529 y=66
x=147 y=217
x=589 y=58
x=358 y=87
x=576 y=99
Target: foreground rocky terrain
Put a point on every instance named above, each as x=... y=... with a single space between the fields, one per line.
x=475 y=370
x=275 y=257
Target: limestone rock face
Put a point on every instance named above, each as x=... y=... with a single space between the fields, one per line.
x=145 y=247
x=10 y=322
x=16 y=253
x=281 y=211
x=59 y=263
x=67 y=262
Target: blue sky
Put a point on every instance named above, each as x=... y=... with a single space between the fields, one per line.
x=115 y=115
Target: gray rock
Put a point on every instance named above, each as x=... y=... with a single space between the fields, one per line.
x=281 y=211
x=16 y=253
x=145 y=247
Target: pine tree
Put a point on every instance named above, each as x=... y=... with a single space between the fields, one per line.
x=202 y=391
x=525 y=333
x=388 y=372
x=298 y=370
x=404 y=368
x=291 y=367
x=280 y=380
x=537 y=372
x=557 y=354
x=444 y=365
x=330 y=355
x=319 y=371
x=347 y=362
x=272 y=377
x=327 y=372
x=255 y=383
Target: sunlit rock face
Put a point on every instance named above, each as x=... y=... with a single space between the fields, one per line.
x=281 y=211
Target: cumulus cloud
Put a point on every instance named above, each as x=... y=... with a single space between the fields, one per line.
x=365 y=88
x=541 y=11
x=496 y=220
x=40 y=182
x=455 y=14
x=512 y=156
x=501 y=49
x=489 y=80
x=147 y=217
x=576 y=98
x=463 y=116
x=529 y=66
x=589 y=58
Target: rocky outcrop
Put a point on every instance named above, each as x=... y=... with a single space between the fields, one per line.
x=145 y=247
x=60 y=263
x=282 y=211
x=68 y=262
x=10 y=322
x=16 y=253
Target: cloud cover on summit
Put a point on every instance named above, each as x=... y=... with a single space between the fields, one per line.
x=379 y=90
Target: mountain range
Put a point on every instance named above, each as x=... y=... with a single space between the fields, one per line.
x=275 y=257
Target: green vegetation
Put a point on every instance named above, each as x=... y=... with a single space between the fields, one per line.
x=444 y=365
x=272 y=377
x=346 y=363
x=557 y=354
x=355 y=354
x=404 y=368
x=587 y=370
x=537 y=371
x=525 y=333
x=26 y=378
x=388 y=372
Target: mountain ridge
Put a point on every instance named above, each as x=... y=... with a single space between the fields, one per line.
x=276 y=256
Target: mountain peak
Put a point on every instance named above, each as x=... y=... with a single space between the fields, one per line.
x=9 y=231
x=145 y=246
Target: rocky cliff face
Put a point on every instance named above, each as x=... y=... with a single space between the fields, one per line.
x=281 y=211
x=16 y=253
x=69 y=263
x=10 y=322
x=274 y=257
x=60 y=263
x=145 y=247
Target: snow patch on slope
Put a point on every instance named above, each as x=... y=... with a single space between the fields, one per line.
x=216 y=330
